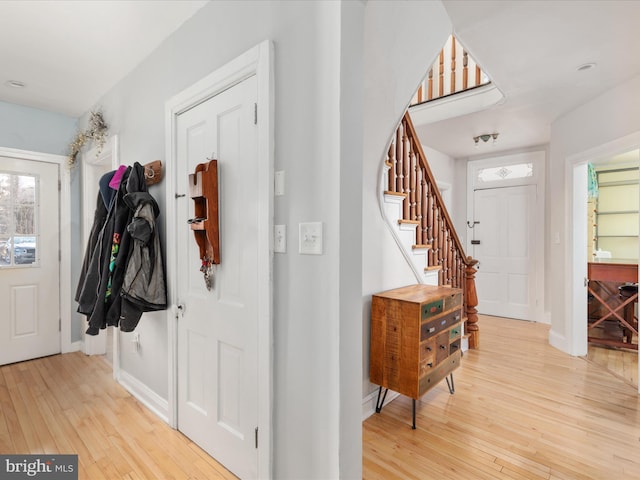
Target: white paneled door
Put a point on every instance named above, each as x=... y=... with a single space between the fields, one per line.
x=503 y=243
x=218 y=328
x=29 y=260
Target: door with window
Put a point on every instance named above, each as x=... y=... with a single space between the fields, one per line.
x=29 y=260
x=505 y=233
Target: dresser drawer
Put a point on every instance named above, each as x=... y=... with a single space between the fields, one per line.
x=429 y=329
x=427 y=349
x=436 y=374
x=442 y=346
x=432 y=309
x=452 y=301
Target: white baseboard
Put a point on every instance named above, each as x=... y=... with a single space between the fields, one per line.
x=558 y=341
x=75 y=347
x=145 y=395
x=369 y=402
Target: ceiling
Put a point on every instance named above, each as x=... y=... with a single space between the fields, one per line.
x=531 y=51
x=69 y=53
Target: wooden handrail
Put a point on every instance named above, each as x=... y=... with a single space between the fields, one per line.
x=410 y=175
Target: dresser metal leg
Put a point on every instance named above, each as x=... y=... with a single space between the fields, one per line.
x=378 y=402
x=414 y=414
x=452 y=388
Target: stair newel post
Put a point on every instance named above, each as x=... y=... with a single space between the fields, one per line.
x=472 y=303
x=398 y=158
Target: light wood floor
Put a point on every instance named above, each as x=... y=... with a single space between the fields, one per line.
x=70 y=404
x=522 y=410
x=620 y=362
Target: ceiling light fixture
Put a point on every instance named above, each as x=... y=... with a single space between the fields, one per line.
x=15 y=84
x=485 y=138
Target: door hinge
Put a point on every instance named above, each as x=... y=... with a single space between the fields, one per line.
x=255 y=113
x=59 y=185
x=59 y=324
x=256 y=437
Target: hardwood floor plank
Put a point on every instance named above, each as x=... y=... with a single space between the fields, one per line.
x=521 y=410
x=70 y=404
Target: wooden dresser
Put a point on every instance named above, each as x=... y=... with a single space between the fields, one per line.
x=415 y=339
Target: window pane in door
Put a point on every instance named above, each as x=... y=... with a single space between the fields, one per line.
x=18 y=219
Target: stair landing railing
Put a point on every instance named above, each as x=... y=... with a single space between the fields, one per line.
x=410 y=175
x=454 y=71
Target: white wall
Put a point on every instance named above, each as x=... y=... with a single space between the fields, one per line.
x=603 y=121
x=394 y=67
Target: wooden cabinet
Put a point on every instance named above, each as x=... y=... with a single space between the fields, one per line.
x=415 y=339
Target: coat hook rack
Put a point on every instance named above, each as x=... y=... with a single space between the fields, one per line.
x=153 y=172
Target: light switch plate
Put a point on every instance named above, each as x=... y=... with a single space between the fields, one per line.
x=310 y=238
x=280 y=239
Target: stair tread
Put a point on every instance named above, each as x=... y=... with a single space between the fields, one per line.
x=397 y=194
x=421 y=246
x=432 y=268
x=410 y=222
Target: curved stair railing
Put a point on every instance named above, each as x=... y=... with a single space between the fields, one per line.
x=410 y=177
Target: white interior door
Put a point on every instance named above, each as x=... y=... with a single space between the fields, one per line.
x=503 y=243
x=218 y=329
x=29 y=260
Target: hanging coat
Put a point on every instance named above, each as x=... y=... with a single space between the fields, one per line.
x=144 y=287
x=99 y=296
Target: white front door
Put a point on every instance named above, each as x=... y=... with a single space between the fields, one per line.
x=218 y=329
x=503 y=243
x=29 y=260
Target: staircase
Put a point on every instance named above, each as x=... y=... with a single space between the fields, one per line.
x=412 y=206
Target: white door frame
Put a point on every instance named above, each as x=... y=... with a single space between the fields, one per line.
x=257 y=61
x=533 y=155
x=575 y=263
x=65 y=237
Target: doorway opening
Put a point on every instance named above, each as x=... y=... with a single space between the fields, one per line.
x=578 y=237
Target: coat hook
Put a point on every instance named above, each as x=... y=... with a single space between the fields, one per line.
x=471 y=225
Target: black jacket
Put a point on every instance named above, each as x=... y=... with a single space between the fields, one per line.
x=100 y=285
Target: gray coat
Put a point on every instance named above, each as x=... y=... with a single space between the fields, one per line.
x=144 y=285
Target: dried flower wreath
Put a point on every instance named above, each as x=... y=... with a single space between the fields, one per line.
x=96 y=132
